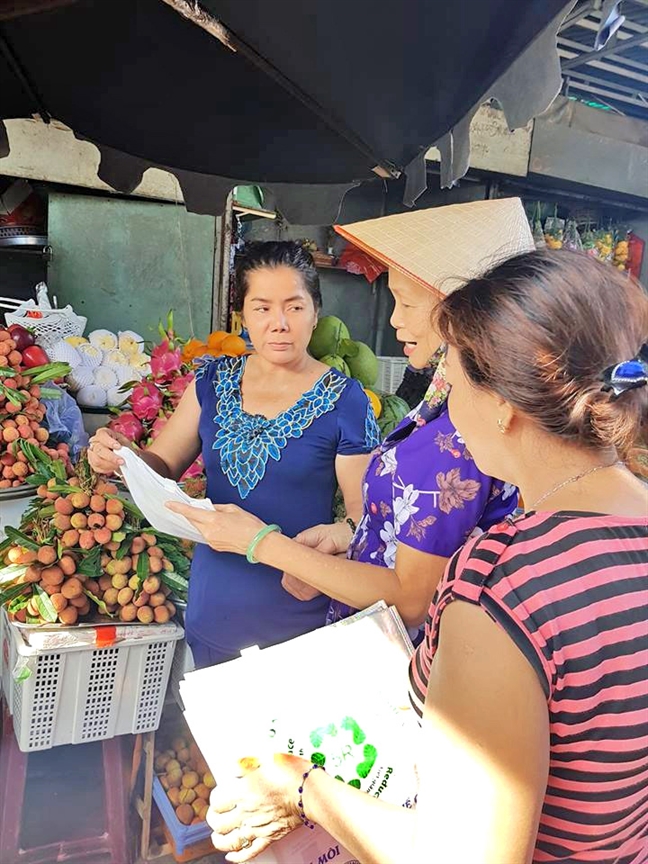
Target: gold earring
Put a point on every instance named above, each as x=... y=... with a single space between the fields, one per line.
x=500 y=425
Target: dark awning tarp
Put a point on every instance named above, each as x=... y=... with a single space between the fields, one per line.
x=317 y=92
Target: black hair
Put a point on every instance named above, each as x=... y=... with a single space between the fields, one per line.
x=275 y=253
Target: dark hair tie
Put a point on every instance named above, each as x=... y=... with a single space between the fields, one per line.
x=627 y=375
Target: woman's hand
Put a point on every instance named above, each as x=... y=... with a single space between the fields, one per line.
x=104 y=449
x=257 y=808
x=299 y=590
x=331 y=539
x=226 y=528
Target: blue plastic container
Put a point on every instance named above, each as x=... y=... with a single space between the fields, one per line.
x=183 y=835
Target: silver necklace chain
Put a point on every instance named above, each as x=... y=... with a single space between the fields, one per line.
x=573 y=479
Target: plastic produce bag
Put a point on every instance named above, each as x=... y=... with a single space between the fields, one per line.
x=536 y=228
x=554 y=230
x=572 y=239
x=65 y=421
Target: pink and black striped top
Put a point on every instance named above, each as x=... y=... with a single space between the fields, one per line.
x=571 y=589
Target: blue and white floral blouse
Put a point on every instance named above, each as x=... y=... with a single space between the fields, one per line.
x=283 y=471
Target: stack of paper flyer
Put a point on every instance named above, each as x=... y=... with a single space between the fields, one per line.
x=151 y=492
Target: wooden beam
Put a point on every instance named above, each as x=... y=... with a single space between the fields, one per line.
x=192 y=12
x=17 y=8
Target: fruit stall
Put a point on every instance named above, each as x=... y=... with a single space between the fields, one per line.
x=91 y=595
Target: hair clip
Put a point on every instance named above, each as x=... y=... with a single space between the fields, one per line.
x=627 y=375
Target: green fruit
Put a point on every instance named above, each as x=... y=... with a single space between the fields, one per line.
x=327 y=336
x=394 y=410
x=362 y=362
x=336 y=362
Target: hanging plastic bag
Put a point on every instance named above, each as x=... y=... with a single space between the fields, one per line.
x=604 y=243
x=589 y=241
x=572 y=239
x=356 y=261
x=65 y=421
x=554 y=230
x=536 y=228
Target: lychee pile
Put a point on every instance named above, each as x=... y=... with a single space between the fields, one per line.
x=22 y=413
x=82 y=550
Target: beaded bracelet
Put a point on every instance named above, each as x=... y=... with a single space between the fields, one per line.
x=300 y=803
x=267 y=529
x=352 y=525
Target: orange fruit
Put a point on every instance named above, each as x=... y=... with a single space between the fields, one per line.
x=376 y=404
x=215 y=339
x=233 y=346
x=194 y=348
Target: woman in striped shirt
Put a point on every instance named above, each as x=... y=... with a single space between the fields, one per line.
x=532 y=680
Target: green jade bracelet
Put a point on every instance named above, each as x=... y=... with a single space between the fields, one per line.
x=268 y=529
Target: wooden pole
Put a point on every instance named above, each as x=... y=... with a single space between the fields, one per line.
x=192 y=12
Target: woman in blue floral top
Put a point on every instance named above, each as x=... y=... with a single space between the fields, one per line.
x=278 y=432
x=423 y=495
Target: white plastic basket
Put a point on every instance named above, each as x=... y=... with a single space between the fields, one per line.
x=54 y=325
x=390 y=373
x=83 y=693
x=183 y=663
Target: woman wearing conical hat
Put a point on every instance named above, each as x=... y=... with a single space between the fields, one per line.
x=423 y=495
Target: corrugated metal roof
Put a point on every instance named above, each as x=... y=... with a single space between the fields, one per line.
x=616 y=76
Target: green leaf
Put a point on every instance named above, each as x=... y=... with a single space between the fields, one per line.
x=18 y=603
x=37 y=480
x=91 y=564
x=142 y=569
x=13 y=397
x=12 y=591
x=64 y=489
x=35 y=455
x=47 y=611
x=124 y=549
x=51 y=393
x=118 y=536
x=48 y=372
x=5 y=545
x=21 y=539
x=178 y=584
x=59 y=471
x=130 y=508
x=100 y=603
x=126 y=387
x=175 y=555
x=7 y=372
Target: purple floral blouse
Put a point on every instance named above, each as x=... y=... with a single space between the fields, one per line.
x=422 y=488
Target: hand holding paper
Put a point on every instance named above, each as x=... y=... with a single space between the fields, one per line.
x=225 y=527
x=150 y=491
